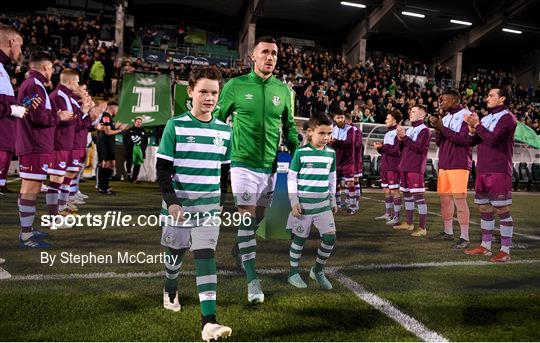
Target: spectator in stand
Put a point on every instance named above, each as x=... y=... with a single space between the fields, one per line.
x=367 y=117
x=356 y=114
x=97 y=77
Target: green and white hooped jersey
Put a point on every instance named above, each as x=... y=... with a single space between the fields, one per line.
x=197 y=150
x=312 y=179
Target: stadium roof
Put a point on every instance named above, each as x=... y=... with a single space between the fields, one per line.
x=328 y=19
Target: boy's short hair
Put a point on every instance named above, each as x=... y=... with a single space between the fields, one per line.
x=211 y=73
x=318 y=119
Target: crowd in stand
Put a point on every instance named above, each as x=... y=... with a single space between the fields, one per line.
x=321 y=81
x=74 y=43
x=326 y=82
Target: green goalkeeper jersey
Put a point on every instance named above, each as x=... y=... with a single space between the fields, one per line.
x=259 y=109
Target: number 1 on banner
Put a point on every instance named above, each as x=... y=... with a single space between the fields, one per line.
x=145 y=100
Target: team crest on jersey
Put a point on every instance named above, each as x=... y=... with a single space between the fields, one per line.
x=299 y=229
x=249 y=96
x=276 y=100
x=246 y=196
x=190 y=139
x=218 y=140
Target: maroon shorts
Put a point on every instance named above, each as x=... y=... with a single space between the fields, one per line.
x=345 y=172
x=5 y=160
x=358 y=170
x=60 y=162
x=35 y=166
x=494 y=189
x=412 y=182
x=76 y=163
x=390 y=179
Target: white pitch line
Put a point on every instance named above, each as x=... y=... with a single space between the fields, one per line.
x=409 y=323
x=431 y=264
x=269 y=271
x=13 y=180
x=533 y=237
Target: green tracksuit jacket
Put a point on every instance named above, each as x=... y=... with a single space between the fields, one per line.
x=259 y=109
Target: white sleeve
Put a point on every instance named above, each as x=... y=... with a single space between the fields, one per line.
x=332 y=183
x=292 y=182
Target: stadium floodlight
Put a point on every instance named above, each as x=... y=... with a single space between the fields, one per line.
x=460 y=22
x=353 y=4
x=413 y=14
x=512 y=31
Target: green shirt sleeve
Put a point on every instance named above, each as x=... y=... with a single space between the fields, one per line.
x=225 y=103
x=167 y=146
x=295 y=162
x=289 y=126
x=227 y=157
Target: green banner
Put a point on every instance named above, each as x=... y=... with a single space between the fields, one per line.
x=527 y=135
x=147 y=96
x=182 y=102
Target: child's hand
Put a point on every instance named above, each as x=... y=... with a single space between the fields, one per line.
x=176 y=212
x=335 y=209
x=296 y=211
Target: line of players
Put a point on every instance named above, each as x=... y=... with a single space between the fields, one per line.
x=48 y=132
x=403 y=164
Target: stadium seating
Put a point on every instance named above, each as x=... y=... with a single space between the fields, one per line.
x=367 y=170
x=430 y=175
x=535 y=175
x=515 y=179
x=524 y=175
x=376 y=166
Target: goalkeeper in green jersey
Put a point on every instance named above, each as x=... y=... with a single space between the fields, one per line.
x=311 y=182
x=189 y=158
x=261 y=108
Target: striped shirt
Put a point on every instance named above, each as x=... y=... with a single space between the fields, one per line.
x=312 y=179
x=197 y=150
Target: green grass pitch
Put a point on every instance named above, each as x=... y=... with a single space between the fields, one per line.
x=464 y=301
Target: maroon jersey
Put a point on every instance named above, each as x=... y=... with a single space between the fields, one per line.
x=358 y=149
x=35 y=132
x=61 y=100
x=454 y=149
x=495 y=139
x=83 y=125
x=415 y=148
x=390 y=151
x=344 y=145
x=7 y=98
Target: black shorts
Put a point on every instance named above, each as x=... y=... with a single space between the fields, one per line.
x=105 y=151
